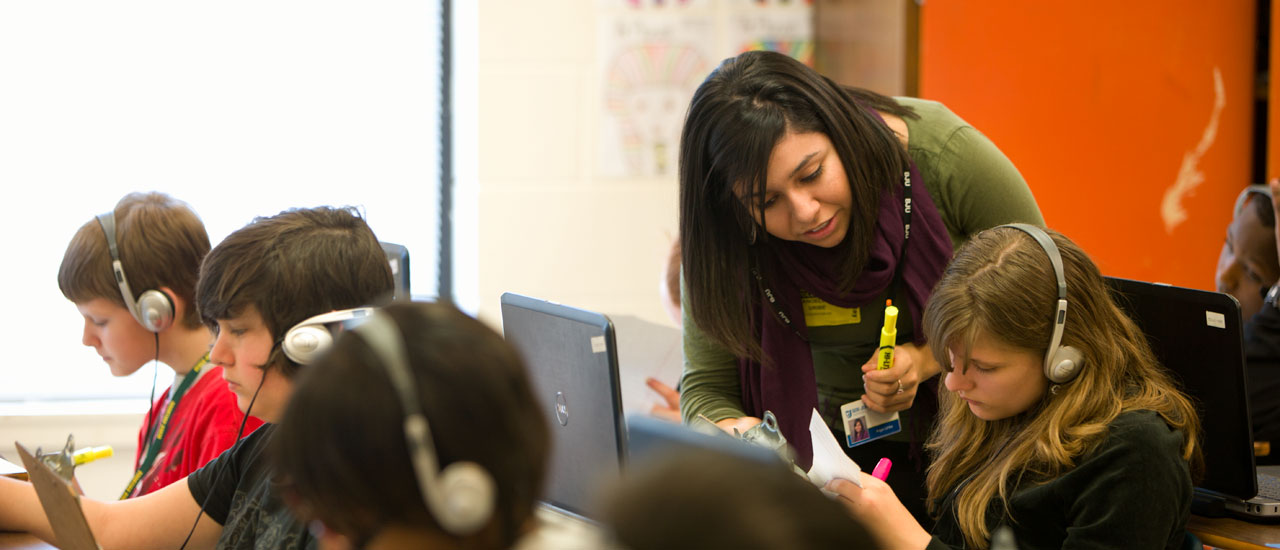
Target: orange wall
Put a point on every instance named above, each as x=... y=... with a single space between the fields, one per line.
x=1098 y=107
x=1273 y=98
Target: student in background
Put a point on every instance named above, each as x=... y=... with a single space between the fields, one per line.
x=793 y=216
x=707 y=500
x=1248 y=269
x=254 y=286
x=1097 y=456
x=159 y=242
x=669 y=291
x=346 y=464
x=1249 y=266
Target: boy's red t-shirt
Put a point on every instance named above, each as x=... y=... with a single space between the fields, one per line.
x=202 y=426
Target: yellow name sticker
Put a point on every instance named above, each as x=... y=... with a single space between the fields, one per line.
x=818 y=313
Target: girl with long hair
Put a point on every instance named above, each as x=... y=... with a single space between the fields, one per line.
x=1099 y=454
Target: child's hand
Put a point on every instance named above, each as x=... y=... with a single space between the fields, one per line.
x=879 y=511
x=671 y=411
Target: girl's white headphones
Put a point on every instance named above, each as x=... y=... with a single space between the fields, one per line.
x=1061 y=363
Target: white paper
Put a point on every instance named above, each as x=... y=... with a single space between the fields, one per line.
x=829 y=460
x=646 y=349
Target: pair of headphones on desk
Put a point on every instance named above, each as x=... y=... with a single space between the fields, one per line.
x=460 y=497
x=153 y=309
x=1061 y=363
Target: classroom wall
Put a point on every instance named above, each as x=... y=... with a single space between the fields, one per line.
x=1130 y=120
x=93 y=424
x=546 y=226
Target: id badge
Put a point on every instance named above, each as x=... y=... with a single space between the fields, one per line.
x=862 y=424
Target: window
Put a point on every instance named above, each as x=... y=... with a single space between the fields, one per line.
x=239 y=108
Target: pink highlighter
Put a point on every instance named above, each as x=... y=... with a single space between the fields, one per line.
x=881 y=470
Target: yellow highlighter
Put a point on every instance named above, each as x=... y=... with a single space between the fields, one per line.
x=888 y=335
x=90 y=454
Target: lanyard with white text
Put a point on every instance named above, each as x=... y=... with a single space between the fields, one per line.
x=156 y=442
x=897 y=271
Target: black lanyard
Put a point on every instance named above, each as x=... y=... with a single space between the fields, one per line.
x=897 y=270
x=156 y=442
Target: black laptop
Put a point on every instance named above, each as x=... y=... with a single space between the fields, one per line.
x=573 y=364
x=1198 y=335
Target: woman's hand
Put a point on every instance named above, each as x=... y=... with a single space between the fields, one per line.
x=880 y=512
x=742 y=423
x=894 y=389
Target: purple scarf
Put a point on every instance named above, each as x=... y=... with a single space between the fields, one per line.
x=788 y=387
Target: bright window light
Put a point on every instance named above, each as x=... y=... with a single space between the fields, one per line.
x=239 y=108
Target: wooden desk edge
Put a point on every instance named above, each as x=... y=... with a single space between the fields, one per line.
x=1234 y=534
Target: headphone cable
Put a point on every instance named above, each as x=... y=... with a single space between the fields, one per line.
x=239 y=433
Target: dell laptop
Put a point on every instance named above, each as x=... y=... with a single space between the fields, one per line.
x=572 y=359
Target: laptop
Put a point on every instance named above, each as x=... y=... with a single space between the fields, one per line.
x=398 y=258
x=1199 y=336
x=649 y=438
x=572 y=359
x=61 y=504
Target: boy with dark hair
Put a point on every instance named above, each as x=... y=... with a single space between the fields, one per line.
x=254 y=286
x=155 y=243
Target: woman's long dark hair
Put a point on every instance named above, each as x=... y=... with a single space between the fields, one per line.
x=737 y=116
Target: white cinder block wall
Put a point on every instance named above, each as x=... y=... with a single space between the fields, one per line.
x=547 y=225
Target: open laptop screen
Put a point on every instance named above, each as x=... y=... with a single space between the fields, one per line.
x=1198 y=335
x=573 y=365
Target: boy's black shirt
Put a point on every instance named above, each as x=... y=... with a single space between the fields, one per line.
x=238 y=485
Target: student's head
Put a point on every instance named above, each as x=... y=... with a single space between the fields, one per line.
x=989 y=323
x=859 y=425
x=160 y=242
x=275 y=272
x=772 y=151
x=341 y=447
x=1248 y=264
x=669 y=287
x=709 y=500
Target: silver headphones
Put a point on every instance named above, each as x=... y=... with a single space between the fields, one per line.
x=460 y=497
x=153 y=309
x=1061 y=363
x=312 y=337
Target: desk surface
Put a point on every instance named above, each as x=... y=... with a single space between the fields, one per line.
x=1234 y=534
x=22 y=541
x=1226 y=533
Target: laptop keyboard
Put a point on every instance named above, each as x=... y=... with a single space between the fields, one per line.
x=1269 y=486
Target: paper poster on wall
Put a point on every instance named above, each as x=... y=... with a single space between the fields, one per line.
x=650 y=66
x=653 y=55
x=653 y=4
x=756 y=4
x=786 y=29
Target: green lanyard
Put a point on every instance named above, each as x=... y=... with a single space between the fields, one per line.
x=156 y=442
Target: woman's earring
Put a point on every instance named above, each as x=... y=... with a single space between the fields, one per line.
x=751 y=238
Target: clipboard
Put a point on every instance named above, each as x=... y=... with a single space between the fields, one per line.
x=61 y=504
